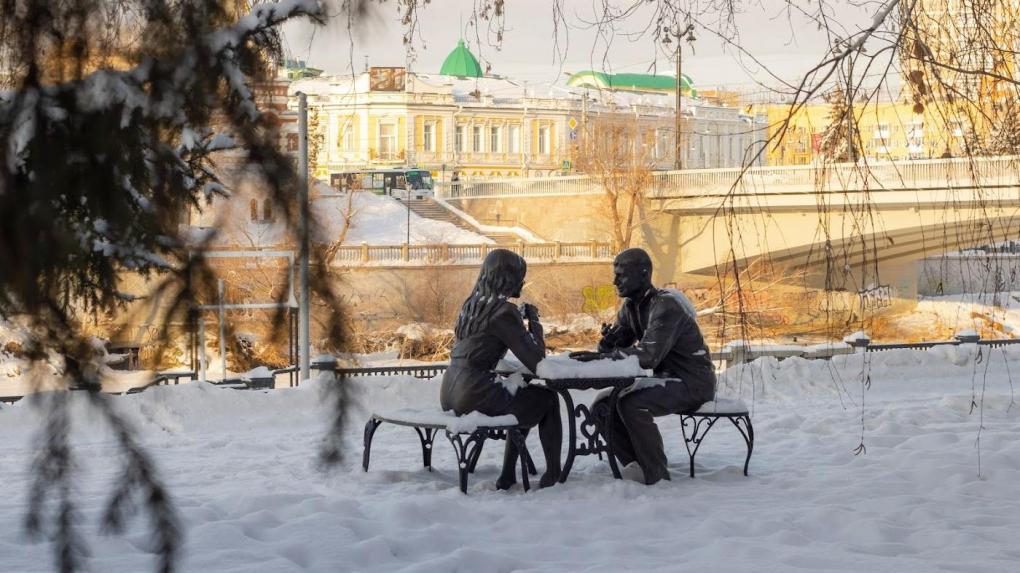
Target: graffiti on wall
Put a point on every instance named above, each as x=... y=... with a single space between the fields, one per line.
x=598 y=298
x=876 y=297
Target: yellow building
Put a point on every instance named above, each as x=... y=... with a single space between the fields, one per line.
x=461 y=121
x=884 y=131
x=960 y=58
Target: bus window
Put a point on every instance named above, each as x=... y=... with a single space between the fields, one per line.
x=401 y=182
x=419 y=179
x=375 y=182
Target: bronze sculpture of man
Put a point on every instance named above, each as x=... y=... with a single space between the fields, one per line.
x=659 y=327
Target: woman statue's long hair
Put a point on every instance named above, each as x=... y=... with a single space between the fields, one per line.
x=501 y=276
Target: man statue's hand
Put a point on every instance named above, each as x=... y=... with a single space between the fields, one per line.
x=585 y=355
x=529 y=311
x=588 y=355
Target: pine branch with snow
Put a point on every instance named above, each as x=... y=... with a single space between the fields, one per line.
x=118 y=113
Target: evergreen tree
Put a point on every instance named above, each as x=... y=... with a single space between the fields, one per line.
x=110 y=117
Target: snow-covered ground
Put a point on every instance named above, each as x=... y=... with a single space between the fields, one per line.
x=377 y=220
x=241 y=468
x=994 y=314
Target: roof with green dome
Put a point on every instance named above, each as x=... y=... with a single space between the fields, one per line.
x=461 y=62
x=631 y=82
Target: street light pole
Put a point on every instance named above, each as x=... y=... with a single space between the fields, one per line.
x=678 y=162
x=303 y=309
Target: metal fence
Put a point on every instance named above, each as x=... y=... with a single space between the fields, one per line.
x=731 y=355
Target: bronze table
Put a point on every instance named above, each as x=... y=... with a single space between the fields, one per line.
x=594 y=443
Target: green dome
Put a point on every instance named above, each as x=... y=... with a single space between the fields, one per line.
x=461 y=62
x=631 y=82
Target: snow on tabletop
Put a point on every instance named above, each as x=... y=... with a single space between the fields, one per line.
x=562 y=366
x=457 y=424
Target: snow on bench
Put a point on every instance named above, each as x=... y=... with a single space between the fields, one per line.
x=477 y=426
x=723 y=406
x=702 y=420
x=445 y=420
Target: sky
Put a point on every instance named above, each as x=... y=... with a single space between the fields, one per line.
x=535 y=50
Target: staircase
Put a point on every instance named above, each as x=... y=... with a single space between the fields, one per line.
x=429 y=209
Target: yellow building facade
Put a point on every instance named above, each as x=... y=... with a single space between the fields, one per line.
x=478 y=127
x=884 y=130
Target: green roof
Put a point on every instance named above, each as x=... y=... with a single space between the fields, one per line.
x=631 y=82
x=461 y=62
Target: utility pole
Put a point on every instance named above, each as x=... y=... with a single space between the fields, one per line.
x=303 y=309
x=678 y=162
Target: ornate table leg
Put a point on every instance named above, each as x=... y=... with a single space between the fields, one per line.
x=571 y=434
x=613 y=399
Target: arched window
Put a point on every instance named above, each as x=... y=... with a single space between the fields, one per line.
x=267 y=210
x=253 y=209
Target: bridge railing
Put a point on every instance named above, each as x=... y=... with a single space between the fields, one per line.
x=874 y=176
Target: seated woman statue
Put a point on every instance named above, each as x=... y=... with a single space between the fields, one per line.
x=489 y=325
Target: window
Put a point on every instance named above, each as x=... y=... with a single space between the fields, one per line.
x=515 y=139
x=476 y=139
x=459 y=138
x=267 y=210
x=253 y=208
x=543 y=140
x=495 y=145
x=387 y=140
x=428 y=133
x=292 y=142
x=347 y=135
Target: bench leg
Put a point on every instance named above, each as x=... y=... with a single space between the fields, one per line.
x=748 y=436
x=370 y=428
x=518 y=440
x=473 y=462
x=426 y=437
x=501 y=435
x=700 y=429
x=465 y=451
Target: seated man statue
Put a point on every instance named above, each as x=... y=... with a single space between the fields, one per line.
x=659 y=327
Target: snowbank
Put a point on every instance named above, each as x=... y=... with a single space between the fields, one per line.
x=377 y=220
x=240 y=466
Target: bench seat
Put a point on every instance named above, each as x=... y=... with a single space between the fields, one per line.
x=475 y=426
x=702 y=420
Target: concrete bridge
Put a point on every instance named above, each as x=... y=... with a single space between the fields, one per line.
x=837 y=226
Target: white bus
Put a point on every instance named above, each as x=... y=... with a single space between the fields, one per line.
x=393 y=182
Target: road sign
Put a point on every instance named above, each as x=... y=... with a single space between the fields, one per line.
x=566 y=164
x=572 y=123
x=572 y=135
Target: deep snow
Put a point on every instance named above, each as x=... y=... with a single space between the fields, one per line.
x=241 y=467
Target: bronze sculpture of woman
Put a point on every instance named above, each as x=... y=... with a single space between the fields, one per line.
x=488 y=325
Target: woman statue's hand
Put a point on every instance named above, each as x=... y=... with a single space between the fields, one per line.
x=529 y=311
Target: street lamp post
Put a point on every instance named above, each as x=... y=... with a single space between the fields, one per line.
x=303 y=310
x=678 y=162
